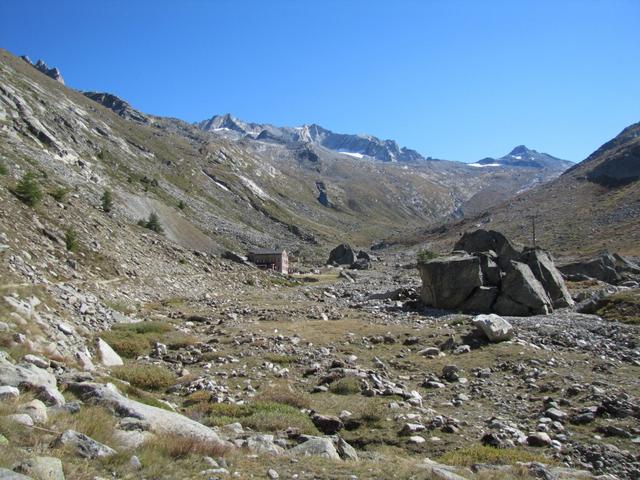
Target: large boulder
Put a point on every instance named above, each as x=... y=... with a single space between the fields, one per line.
x=544 y=269
x=495 y=328
x=481 y=300
x=448 y=281
x=41 y=468
x=161 y=422
x=317 y=447
x=601 y=268
x=522 y=293
x=342 y=255
x=480 y=241
x=30 y=377
x=108 y=357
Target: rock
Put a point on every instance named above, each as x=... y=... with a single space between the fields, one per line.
x=10 y=475
x=342 y=255
x=29 y=376
x=82 y=445
x=438 y=471
x=42 y=468
x=494 y=327
x=84 y=360
x=327 y=424
x=481 y=300
x=416 y=439
x=480 y=241
x=538 y=439
x=430 y=352
x=544 y=269
x=272 y=474
x=601 y=268
x=21 y=419
x=361 y=264
x=107 y=356
x=263 y=444
x=37 y=361
x=522 y=293
x=161 y=422
x=411 y=428
x=135 y=463
x=346 y=451
x=36 y=410
x=316 y=446
x=8 y=393
x=448 y=281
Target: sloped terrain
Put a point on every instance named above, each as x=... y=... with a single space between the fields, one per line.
x=592 y=207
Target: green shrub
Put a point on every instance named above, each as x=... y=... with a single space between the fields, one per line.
x=58 y=194
x=107 y=201
x=145 y=327
x=153 y=223
x=182 y=205
x=146 y=377
x=27 y=190
x=425 y=255
x=71 y=240
x=3 y=169
x=346 y=386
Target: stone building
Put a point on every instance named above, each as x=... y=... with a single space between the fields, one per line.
x=277 y=260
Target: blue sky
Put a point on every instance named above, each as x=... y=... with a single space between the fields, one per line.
x=452 y=79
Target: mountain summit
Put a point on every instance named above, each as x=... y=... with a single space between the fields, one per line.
x=358 y=145
x=521 y=156
x=52 y=72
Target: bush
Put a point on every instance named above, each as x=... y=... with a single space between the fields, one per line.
x=107 y=201
x=146 y=377
x=71 y=240
x=3 y=169
x=58 y=194
x=346 y=386
x=182 y=205
x=425 y=255
x=178 y=447
x=28 y=191
x=153 y=223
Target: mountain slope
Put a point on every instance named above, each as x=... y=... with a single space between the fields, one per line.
x=593 y=206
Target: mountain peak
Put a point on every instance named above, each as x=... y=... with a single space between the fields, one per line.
x=40 y=65
x=520 y=150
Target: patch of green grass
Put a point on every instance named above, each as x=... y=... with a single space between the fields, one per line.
x=280 y=359
x=146 y=377
x=622 y=307
x=285 y=396
x=3 y=169
x=71 y=240
x=467 y=456
x=346 y=386
x=262 y=416
x=134 y=339
x=425 y=255
x=59 y=193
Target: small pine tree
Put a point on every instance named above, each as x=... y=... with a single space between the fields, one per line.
x=58 y=194
x=28 y=190
x=154 y=223
x=71 y=239
x=3 y=169
x=107 y=201
x=182 y=205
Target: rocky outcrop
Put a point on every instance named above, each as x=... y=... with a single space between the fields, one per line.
x=161 y=422
x=52 y=72
x=342 y=255
x=495 y=328
x=488 y=274
x=30 y=377
x=609 y=268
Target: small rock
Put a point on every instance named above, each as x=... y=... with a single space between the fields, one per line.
x=272 y=474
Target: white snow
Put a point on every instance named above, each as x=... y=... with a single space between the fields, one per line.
x=351 y=154
x=251 y=185
x=517 y=157
x=484 y=165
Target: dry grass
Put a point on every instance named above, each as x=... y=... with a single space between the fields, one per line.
x=285 y=395
x=467 y=456
x=346 y=386
x=179 y=447
x=622 y=307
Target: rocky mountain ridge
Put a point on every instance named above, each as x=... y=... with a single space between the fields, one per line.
x=521 y=156
x=52 y=72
